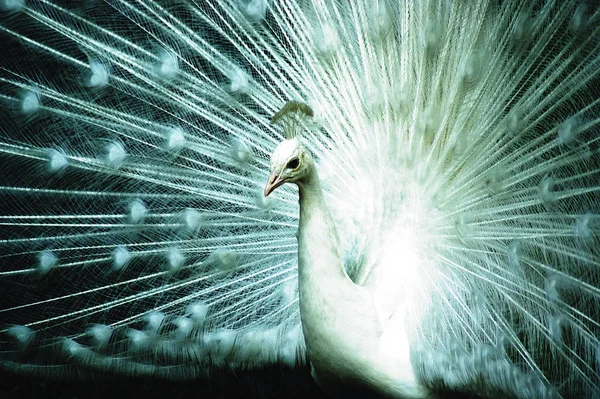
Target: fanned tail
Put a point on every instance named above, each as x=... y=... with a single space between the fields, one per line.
x=457 y=144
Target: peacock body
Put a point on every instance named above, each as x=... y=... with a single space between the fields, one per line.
x=456 y=145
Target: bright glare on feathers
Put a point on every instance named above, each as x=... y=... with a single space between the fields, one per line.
x=449 y=241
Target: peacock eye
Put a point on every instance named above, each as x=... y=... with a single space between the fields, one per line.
x=293 y=163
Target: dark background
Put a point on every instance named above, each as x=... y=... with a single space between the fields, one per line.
x=274 y=382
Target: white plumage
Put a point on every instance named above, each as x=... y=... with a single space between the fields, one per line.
x=456 y=145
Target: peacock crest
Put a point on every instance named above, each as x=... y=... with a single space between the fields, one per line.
x=293 y=115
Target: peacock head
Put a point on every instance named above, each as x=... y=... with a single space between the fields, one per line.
x=291 y=161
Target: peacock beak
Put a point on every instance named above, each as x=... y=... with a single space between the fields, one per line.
x=274 y=181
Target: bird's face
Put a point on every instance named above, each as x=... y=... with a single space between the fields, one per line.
x=289 y=163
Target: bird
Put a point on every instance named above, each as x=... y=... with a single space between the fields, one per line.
x=399 y=197
x=347 y=329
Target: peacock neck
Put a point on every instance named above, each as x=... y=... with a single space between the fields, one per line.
x=318 y=242
x=341 y=326
x=337 y=318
